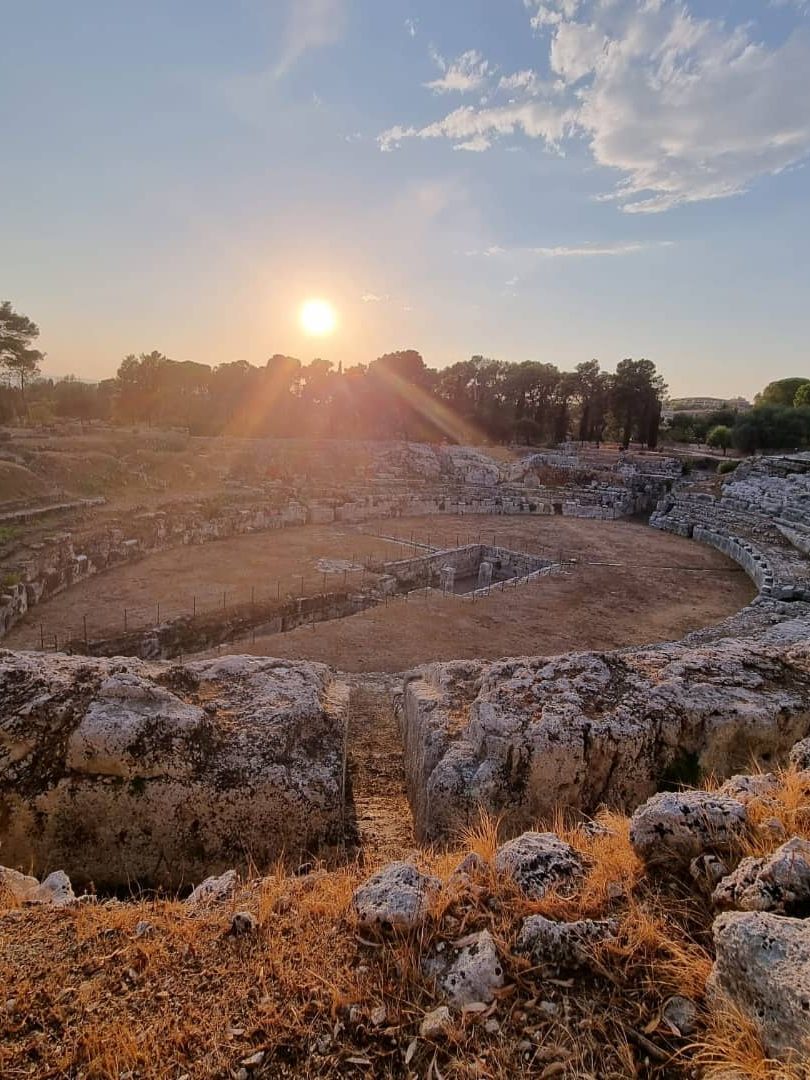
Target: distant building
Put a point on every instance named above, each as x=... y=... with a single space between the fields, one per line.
x=703 y=405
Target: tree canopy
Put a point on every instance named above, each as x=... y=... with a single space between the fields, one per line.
x=17 y=357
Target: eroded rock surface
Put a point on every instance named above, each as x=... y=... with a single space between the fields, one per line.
x=469 y=971
x=800 y=754
x=563 y=944
x=122 y=770
x=779 y=882
x=675 y=827
x=763 y=967
x=522 y=737
x=539 y=862
x=397 y=897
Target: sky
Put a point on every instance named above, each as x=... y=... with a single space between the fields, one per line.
x=551 y=180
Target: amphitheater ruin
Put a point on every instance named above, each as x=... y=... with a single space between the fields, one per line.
x=348 y=693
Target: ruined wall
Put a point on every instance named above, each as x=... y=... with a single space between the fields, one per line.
x=58 y=563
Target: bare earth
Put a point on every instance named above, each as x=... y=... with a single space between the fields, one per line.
x=626 y=584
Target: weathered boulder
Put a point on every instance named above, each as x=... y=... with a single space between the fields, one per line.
x=56 y=889
x=467 y=971
x=397 y=897
x=16 y=886
x=763 y=968
x=538 y=862
x=675 y=827
x=745 y=788
x=563 y=944
x=214 y=889
x=523 y=737
x=122 y=770
x=779 y=882
x=800 y=754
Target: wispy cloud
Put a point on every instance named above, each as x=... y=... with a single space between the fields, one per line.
x=311 y=24
x=466 y=74
x=375 y=298
x=411 y=26
x=585 y=250
x=683 y=108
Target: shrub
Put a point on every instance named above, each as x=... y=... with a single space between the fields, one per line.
x=726 y=467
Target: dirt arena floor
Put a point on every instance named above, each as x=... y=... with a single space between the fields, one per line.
x=625 y=584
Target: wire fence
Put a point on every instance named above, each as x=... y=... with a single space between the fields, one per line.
x=355 y=572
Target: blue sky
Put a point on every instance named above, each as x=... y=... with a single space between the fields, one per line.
x=527 y=179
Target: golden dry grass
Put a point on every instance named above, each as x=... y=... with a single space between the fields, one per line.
x=84 y=995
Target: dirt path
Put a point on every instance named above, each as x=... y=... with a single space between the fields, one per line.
x=376 y=768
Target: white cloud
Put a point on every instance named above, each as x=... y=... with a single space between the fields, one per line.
x=311 y=24
x=468 y=73
x=585 y=250
x=523 y=82
x=538 y=120
x=410 y=26
x=685 y=109
x=374 y=298
x=477 y=144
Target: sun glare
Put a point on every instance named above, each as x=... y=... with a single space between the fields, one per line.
x=317 y=318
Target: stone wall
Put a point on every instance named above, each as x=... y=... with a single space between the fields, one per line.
x=51 y=566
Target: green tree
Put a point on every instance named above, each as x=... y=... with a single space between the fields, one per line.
x=719 y=438
x=780 y=392
x=17 y=357
x=802 y=397
x=637 y=395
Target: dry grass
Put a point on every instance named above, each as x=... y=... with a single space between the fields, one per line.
x=86 y=996
x=731 y=1048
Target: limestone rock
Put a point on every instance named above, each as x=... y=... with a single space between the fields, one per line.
x=763 y=967
x=397 y=897
x=120 y=770
x=674 y=827
x=436 y=1023
x=800 y=754
x=469 y=971
x=563 y=944
x=537 y=862
x=523 y=737
x=745 y=788
x=55 y=889
x=18 y=886
x=779 y=882
x=707 y=870
x=214 y=889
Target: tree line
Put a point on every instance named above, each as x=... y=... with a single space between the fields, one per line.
x=394 y=396
x=779 y=420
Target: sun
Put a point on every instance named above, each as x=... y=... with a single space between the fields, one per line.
x=317 y=317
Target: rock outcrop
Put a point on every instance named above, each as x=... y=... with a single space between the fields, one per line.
x=763 y=968
x=120 y=770
x=523 y=737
